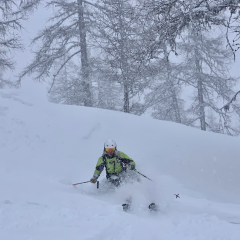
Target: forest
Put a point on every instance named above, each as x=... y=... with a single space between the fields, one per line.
x=167 y=58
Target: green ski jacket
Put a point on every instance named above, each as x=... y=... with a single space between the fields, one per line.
x=113 y=165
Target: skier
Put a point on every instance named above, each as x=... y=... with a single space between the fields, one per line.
x=115 y=162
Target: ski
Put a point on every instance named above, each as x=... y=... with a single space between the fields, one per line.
x=152 y=207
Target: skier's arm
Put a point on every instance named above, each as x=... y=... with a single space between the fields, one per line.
x=99 y=166
x=127 y=160
x=98 y=170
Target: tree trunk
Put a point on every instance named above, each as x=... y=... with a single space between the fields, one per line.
x=84 y=56
x=175 y=103
x=171 y=85
x=200 y=93
x=126 y=105
x=126 y=99
x=201 y=106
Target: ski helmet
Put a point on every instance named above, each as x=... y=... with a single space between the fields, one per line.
x=109 y=148
x=110 y=144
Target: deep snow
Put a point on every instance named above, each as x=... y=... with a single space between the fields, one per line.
x=45 y=147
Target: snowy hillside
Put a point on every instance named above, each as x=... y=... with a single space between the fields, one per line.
x=45 y=147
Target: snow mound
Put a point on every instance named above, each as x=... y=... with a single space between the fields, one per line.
x=46 y=147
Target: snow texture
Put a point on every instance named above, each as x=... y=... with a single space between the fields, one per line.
x=46 y=147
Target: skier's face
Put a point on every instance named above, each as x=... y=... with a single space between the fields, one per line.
x=110 y=151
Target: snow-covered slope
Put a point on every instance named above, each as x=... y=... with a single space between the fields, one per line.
x=45 y=147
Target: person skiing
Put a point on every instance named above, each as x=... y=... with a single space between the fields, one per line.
x=117 y=165
x=115 y=162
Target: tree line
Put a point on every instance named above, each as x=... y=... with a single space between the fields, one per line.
x=168 y=57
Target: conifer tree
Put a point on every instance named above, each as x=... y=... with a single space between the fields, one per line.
x=117 y=36
x=67 y=35
x=12 y=15
x=205 y=70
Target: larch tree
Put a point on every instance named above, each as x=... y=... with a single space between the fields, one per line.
x=118 y=38
x=205 y=70
x=164 y=97
x=65 y=36
x=66 y=88
x=171 y=19
x=12 y=15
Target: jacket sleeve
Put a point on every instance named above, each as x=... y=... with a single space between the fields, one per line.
x=126 y=159
x=99 y=166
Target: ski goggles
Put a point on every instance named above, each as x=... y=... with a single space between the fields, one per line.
x=110 y=149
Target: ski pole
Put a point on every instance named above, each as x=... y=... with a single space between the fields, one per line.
x=86 y=182
x=80 y=183
x=143 y=175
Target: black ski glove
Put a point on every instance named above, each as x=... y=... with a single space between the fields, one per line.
x=130 y=166
x=94 y=178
